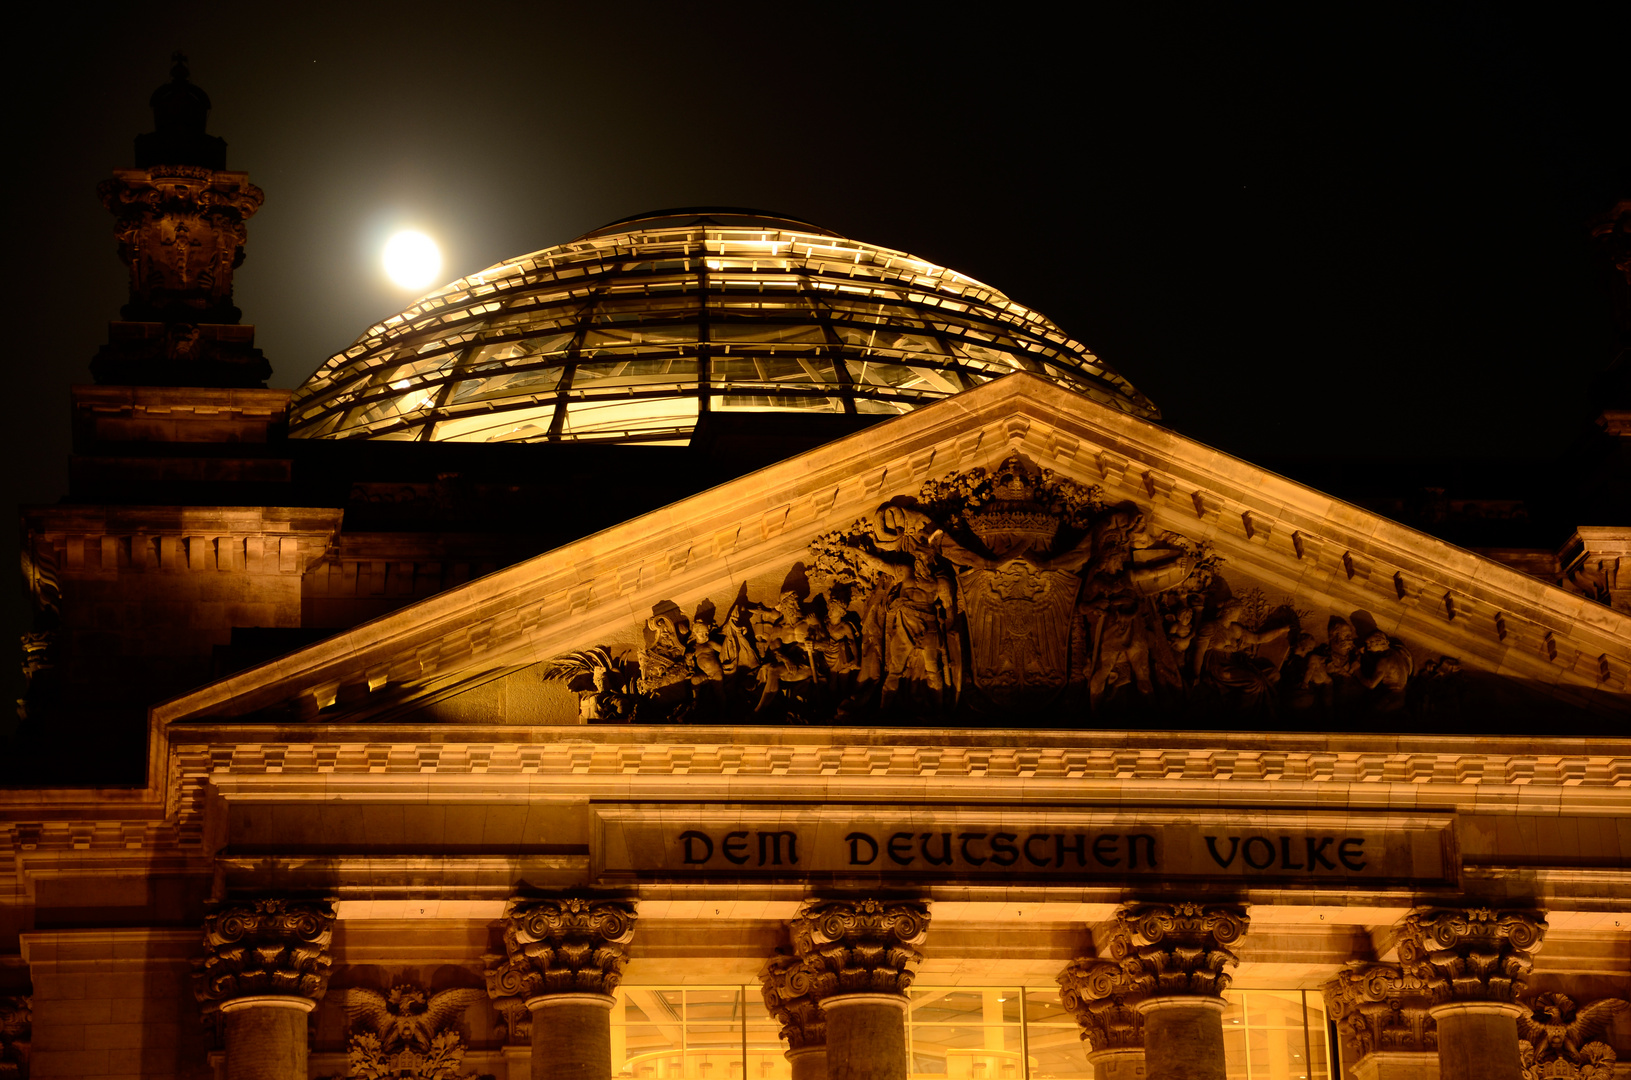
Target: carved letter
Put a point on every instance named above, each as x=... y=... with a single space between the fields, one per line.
x=1316 y=853
x=1355 y=859
x=775 y=846
x=945 y=849
x=963 y=847
x=1246 y=853
x=691 y=836
x=1030 y=856
x=735 y=847
x=900 y=848
x=1104 y=849
x=1212 y=846
x=1132 y=849
x=1003 y=851
x=856 y=839
x=1078 y=848
x=1285 y=855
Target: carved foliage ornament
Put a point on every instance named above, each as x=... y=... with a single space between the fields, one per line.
x=1103 y=996
x=1471 y=954
x=264 y=947
x=181 y=232
x=789 y=985
x=860 y=946
x=16 y=1027
x=574 y=945
x=405 y=1034
x=1561 y=1042
x=1381 y=1007
x=1179 y=949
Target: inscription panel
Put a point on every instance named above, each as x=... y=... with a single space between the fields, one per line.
x=760 y=842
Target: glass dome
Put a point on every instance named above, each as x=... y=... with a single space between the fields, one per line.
x=638 y=330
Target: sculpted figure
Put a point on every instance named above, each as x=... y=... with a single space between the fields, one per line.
x=1115 y=611
x=663 y=652
x=783 y=634
x=1385 y=670
x=1224 y=660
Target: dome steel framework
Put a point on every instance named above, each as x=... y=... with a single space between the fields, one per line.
x=636 y=331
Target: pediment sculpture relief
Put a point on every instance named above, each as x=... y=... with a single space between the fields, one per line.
x=995 y=593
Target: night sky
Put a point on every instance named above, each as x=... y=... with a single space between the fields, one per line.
x=1335 y=232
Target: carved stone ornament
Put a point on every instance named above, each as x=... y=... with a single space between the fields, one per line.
x=860 y=946
x=16 y=1033
x=1562 y=1042
x=405 y=1034
x=995 y=592
x=1103 y=996
x=1471 y=954
x=1380 y=1008
x=259 y=947
x=1178 y=950
x=789 y=985
x=571 y=945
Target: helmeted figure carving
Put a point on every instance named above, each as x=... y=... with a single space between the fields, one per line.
x=16 y=1034
x=860 y=946
x=1562 y=1042
x=1471 y=954
x=1103 y=996
x=405 y=1034
x=789 y=985
x=1380 y=1008
x=270 y=946
x=1178 y=949
x=570 y=945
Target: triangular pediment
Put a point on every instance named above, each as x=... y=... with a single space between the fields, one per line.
x=1115 y=571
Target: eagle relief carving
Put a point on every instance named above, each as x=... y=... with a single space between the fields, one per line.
x=996 y=593
x=405 y=1033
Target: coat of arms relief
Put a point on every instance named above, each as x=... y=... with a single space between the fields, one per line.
x=996 y=594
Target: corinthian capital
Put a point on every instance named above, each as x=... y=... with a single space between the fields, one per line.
x=1380 y=1007
x=255 y=947
x=1103 y=996
x=789 y=986
x=572 y=945
x=1179 y=949
x=1471 y=954
x=860 y=946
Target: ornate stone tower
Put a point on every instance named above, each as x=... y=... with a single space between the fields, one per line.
x=180 y=222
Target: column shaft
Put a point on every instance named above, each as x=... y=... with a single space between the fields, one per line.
x=809 y=1063
x=1117 y=1064
x=1478 y=1041
x=1183 y=1038
x=571 y=1036
x=1385 y=1065
x=266 y=1038
x=866 y=1036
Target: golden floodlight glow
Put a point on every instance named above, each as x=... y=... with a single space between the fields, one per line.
x=412 y=260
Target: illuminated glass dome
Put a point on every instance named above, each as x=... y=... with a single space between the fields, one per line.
x=636 y=331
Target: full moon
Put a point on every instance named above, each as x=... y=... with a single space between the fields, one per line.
x=412 y=260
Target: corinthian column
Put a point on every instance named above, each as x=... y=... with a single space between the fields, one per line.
x=860 y=953
x=1474 y=962
x=1175 y=954
x=789 y=985
x=563 y=958
x=265 y=966
x=1104 y=996
x=1382 y=1021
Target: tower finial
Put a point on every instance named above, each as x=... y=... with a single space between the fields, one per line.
x=179 y=71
